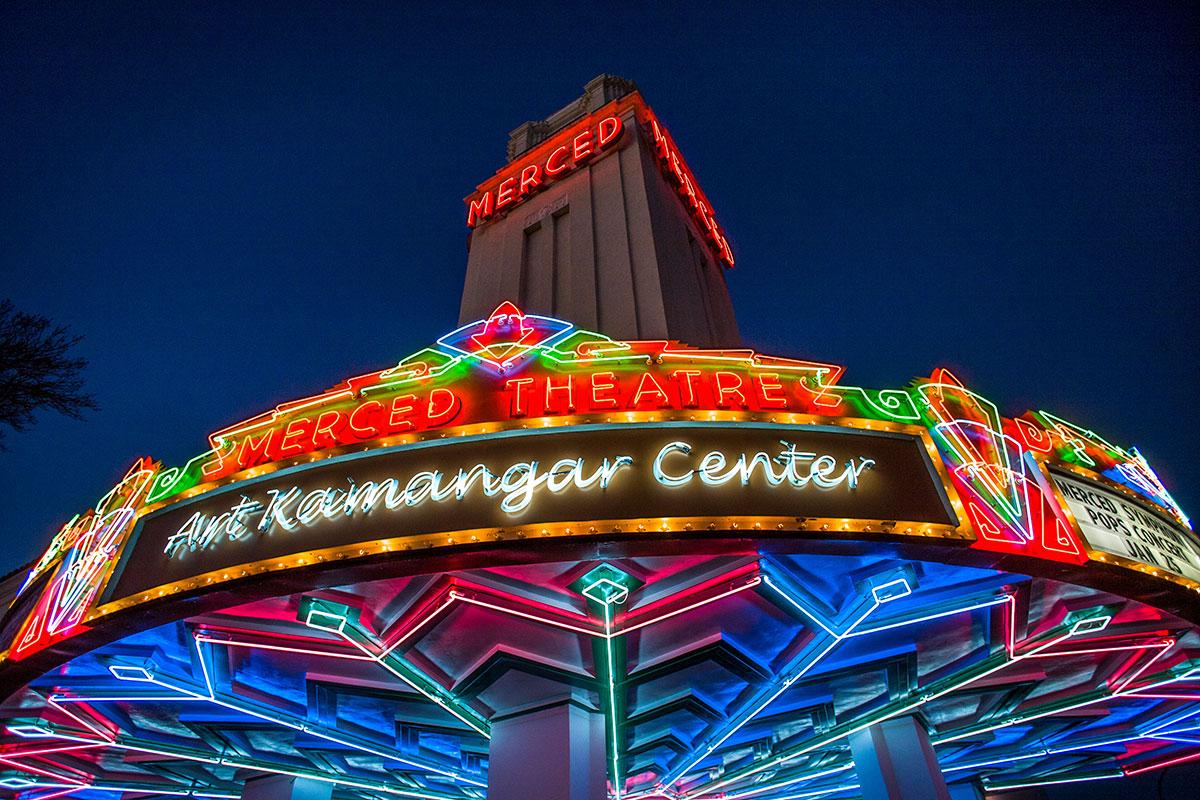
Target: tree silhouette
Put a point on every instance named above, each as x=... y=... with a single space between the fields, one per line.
x=37 y=370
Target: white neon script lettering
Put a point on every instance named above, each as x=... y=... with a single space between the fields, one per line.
x=795 y=467
x=289 y=509
x=201 y=531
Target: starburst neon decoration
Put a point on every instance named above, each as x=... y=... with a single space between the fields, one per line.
x=88 y=550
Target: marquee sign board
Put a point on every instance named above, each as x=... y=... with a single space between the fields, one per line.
x=568 y=474
x=1117 y=526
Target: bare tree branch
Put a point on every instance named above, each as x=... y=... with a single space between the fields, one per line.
x=37 y=370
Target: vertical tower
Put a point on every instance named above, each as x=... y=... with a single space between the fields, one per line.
x=597 y=219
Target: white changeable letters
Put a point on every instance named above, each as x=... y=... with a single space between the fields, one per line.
x=1121 y=527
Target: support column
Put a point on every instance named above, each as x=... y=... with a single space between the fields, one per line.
x=553 y=753
x=285 y=787
x=895 y=761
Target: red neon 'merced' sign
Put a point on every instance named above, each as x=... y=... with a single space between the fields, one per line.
x=693 y=198
x=572 y=148
x=577 y=148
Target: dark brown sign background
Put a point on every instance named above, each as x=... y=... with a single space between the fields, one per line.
x=901 y=486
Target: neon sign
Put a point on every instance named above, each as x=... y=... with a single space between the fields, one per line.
x=649 y=389
x=554 y=160
x=510 y=366
x=677 y=172
x=796 y=468
x=440 y=491
x=289 y=508
x=568 y=150
x=334 y=427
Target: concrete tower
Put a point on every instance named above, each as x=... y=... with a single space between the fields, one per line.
x=597 y=219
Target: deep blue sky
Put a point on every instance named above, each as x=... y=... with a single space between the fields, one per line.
x=237 y=206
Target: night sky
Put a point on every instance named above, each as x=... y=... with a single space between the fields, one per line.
x=239 y=206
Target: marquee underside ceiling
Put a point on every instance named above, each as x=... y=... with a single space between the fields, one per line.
x=738 y=674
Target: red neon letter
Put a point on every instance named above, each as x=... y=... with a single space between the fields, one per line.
x=324 y=433
x=479 y=209
x=582 y=145
x=568 y=387
x=770 y=391
x=517 y=408
x=676 y=168
x=691 y=191
x=706 y=217
x=689 y=378
x=660 y=141
x=714 y=234
x=443 y=406
x=603 y=386
x=531 y=176
x=402 y=409
x=610 y=128
x=726 y=253
x=252 y=452
x=653 y=389
x=505 y=193
x=360 y=431
x=295 y=429
x=551 y=169
x=735 y=389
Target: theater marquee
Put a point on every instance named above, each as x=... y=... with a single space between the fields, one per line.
x=559 y=475
x=522 y=426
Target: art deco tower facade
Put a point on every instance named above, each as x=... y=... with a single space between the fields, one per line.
x=597 y=219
